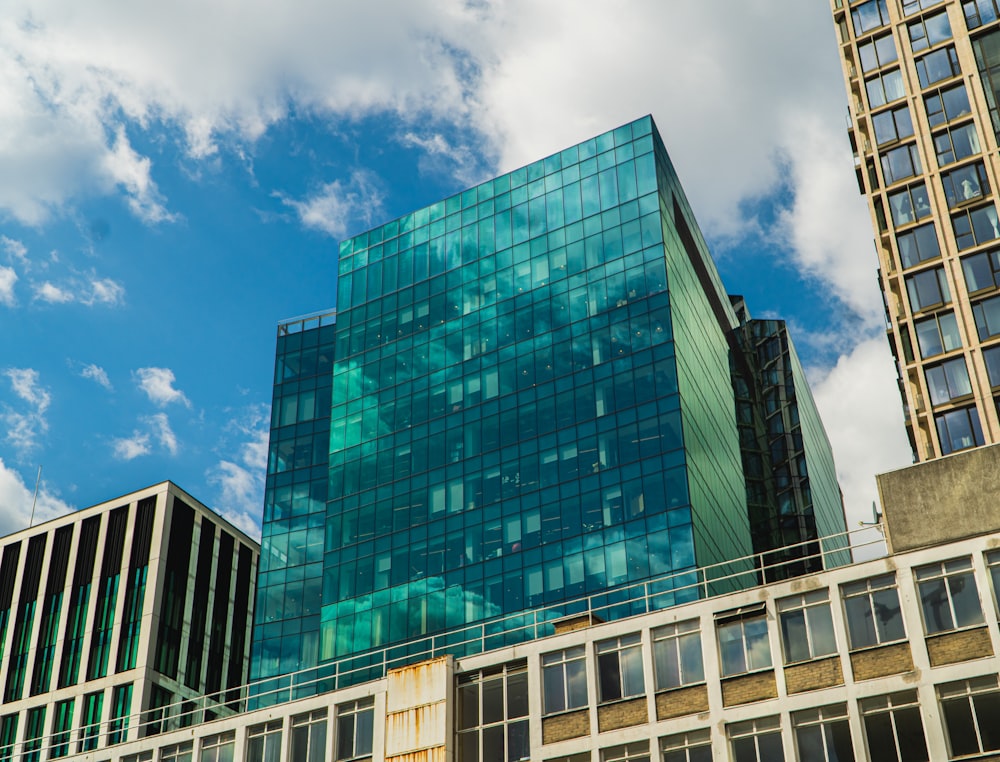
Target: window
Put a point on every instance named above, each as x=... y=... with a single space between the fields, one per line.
x=695 y=746
x=968 y=183
x=893 y=728
x=971 y=709
x=142 y=756
x=493 y=715
x=900 y=163
x=909 y=204
x=619 y=667
x=868 y=16
x=91 y=721
x=806 y=626
x=948 y=381
x=929 y=31
x=991 y=357
x=355 y=729
x=633 y=752
x=937 y=66
x=564 y=679
x=954 y=145
x=874 y=617
x=62 y=724
x=892 y=125
x=912 y=6
x=884 y=88
x=918 y=245
x=218 y=747
x=677 y=658
x=264 y=742
x=121 y=708
x=308 y=737
x=975 y=226
x=987 y=314
x=928 y=288
x=946 y=104
x=981 y=270
x=948 y=595
x=979 y=12
x=33 y=732
x=743 y=644
x=993 y=563
x=937 y=334
x=178 y=752
x=877 y=52
x=823 y=734
x=959 y=430
x=756 y=740
x=8 y=736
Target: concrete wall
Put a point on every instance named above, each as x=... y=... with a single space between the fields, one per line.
x=941 y=500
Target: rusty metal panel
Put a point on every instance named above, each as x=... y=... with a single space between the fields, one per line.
x=418 y=728
x=438 y=754
x=418 y=684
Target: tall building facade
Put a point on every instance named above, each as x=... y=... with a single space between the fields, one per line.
x=116 y=611
x=528 y=394
x=922 y=79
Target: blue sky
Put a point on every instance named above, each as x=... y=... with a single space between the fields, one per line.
x=174 y=181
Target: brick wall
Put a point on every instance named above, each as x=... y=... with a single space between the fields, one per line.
x=563 y=726
x=747 y=688
x=880 y=662
x=681 y=701
x=953 y=647
x=622 y=714
x=822 y=673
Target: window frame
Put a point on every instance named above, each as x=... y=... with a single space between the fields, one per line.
x=356 y=711
x=948 y=153
x=827 y=718
x=316 y=733
x=884 y=88
x=671 y=641
x=886 y=159
x=923 y=41
x=965 y=692
x=952 y=180
x=270 y=734
x=959 y=571
x=509 y=725
x=873 y=586
x=969 y=238
x=940 y=96
x=927 y=66
x=873 y=44
x=942 y=422
x=210 y=747
x=914 y=234
x=754 y=615
x=756 y=729
x=976 y=7
x=912 y=195
x=900 y=706
x=881 y=10
x=563 y=663
x=944 y=375
x=810 y=605
x=916 y=284
x=681 y=745
x=177 y=752
x=626 y=653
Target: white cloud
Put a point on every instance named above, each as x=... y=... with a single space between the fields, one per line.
x=159 y=424
x=860 y=406
x=97 y=374
x=15 y=250
x=16 y=499
x=8 y=277
x=239 y=476
x=53 y=294
x=88 y=290
x=131 y=171
x=130 y=448
x=158 y=384
x=340 y=208
x=25 y=427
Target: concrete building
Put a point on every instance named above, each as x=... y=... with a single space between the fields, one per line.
x=111 y=612
x=922 y=79
x=889 y=659
x=531 y=391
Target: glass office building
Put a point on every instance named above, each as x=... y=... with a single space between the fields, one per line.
x=526 y=396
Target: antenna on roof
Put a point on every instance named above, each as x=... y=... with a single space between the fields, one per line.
x=34 y=499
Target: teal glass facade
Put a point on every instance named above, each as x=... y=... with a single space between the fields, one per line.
x=527 y=397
